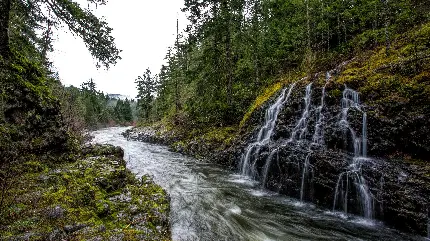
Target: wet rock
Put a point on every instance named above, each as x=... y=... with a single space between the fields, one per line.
x=73 y=228
x=116 y=237
x=57 y=235
x=43 y=178
x=122 y=198
x=133 y=209
x=98 y=238
x=27 y=236
x=55 y=213
x=102 y=150
x=102 y=228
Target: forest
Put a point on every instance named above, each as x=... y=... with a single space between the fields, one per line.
x=233 y=50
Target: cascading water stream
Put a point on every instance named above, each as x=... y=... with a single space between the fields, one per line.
x=353 y=174
x=354 y=171
x=300 y=130
x=265 y=133
x=317 y=138
x=267 y=166
x=364 y=135
x=208 y=202
x=302 y=125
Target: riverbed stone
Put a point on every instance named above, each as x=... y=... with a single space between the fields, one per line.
x=92 y=198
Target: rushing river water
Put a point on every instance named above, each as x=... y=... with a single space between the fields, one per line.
x=210 y=203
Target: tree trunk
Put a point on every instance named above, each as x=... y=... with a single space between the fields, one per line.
x=177 y=70
x=5 y=6
x=229 y=75
x=227 y=13
x=308 y=25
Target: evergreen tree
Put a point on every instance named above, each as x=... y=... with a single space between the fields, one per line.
x=118 y=111
x=95 y=32
x=127 y=113
x=234 y=48
x=146 y=88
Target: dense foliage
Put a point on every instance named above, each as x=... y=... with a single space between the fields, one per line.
x=20 y=19
x=39 y=118
x=233 y=49
x=146 y=85
x=95 y=109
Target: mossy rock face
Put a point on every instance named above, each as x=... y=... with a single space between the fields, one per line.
x=394 y=83
x=93 y=198
x=393 y=86
x=102 y=150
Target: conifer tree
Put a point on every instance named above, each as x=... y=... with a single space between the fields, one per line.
x=95 y=32
x=146 y=88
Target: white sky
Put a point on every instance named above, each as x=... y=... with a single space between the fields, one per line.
x=143 y=30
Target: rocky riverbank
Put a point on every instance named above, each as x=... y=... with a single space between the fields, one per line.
x=398 y=185
x=93 y=197
x=354 y=139
x=220 y=145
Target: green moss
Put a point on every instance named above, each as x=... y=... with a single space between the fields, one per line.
x=267 y=93
x=93 y=191
x=260 y=100
x=220 y=135
x=34 y=166
x=394 y=74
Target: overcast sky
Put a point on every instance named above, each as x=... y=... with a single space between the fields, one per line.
x=142 y=29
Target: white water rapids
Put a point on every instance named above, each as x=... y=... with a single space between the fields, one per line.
x=211 y=203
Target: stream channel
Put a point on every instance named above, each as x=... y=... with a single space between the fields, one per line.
x=209 y=202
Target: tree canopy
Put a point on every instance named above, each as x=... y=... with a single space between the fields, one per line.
x=233 y=49
x=30 y=15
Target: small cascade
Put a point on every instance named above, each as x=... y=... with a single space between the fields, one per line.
x=267 y=166
x=354 y=171
x=304 y=174
x=297 y=134
x=299 y=131
x=265 y=133
x=428 y=224
x=317 y=138
x=364 y=135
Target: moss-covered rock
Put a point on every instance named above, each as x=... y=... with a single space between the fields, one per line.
x=93 y=198
x=393 y=84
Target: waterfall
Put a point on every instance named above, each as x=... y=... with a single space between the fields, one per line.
x=302 y=125
x=267 y=166
x=364 y=135
x=304 y=174
x=299 y=129
x=350 y=100
x=265 y=133
x=317 y=138
x=349 y=180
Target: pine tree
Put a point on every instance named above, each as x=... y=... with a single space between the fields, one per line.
x=146 y=88
x=95 y=32
x=127 y=113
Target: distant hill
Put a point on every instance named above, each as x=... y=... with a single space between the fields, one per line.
x=119 y=96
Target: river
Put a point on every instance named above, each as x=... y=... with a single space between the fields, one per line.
x=211 y=203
